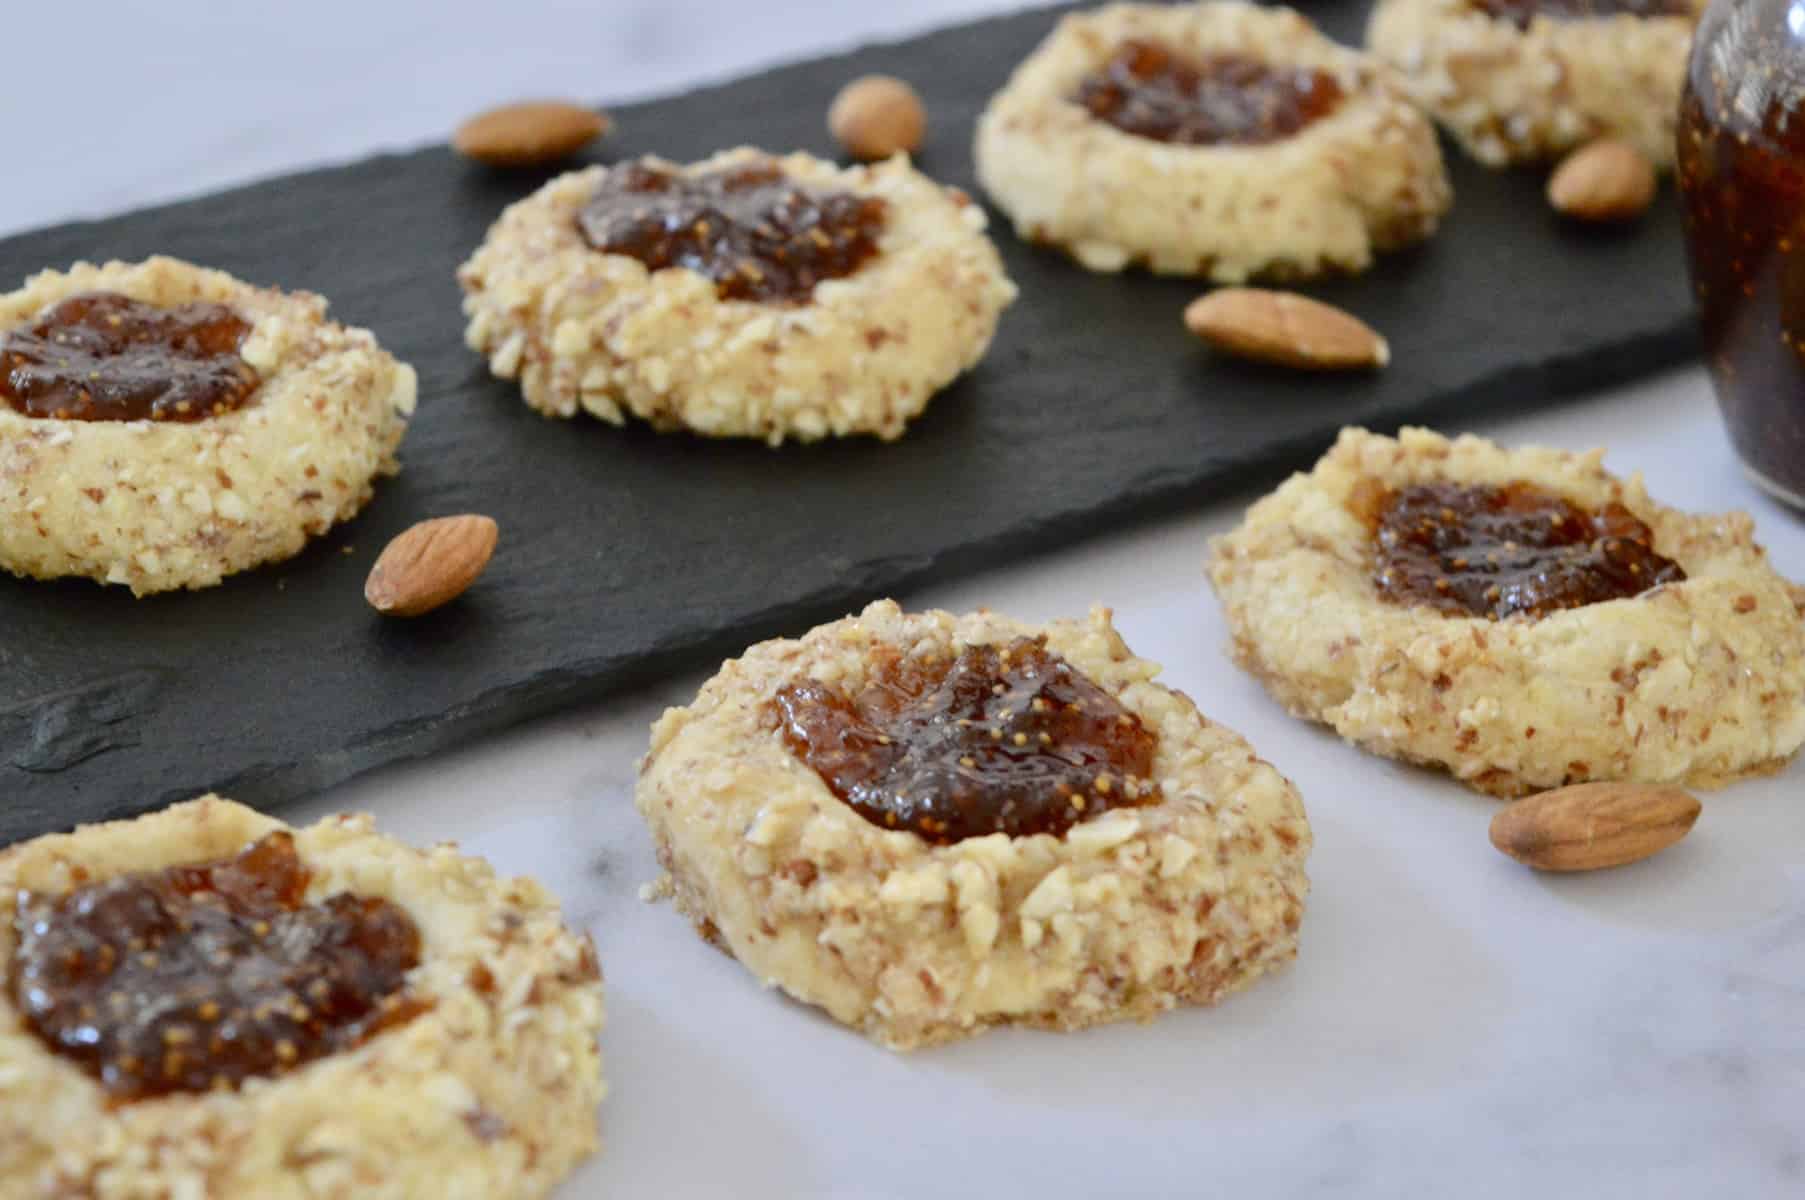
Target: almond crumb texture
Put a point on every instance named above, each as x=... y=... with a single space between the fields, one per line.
x=862 y=354
x=1514 y=94
x=159 y=505
x=1365 y=176
x=1697 y=681
x=1130 y=912
x=488 y=1090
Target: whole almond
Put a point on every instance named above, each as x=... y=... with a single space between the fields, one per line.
x=528 y=134
x=1606 y=180
x=876 y=116
x=1285 y=328
x=1592 y=825
x=430 y=564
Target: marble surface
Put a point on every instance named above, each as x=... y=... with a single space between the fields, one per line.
x=1454 y=1025
x=182 y=97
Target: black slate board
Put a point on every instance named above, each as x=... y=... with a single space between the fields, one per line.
x=625 y=553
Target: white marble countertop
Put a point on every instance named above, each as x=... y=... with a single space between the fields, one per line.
x=182 y=97
x=1455 y=1025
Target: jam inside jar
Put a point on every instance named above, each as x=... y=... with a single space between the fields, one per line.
x=1741 y=158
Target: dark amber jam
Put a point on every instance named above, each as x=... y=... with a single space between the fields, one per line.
x=999 y=739
x=757 y=233
x=202 y=976
x=107 y=357
x=1148 y=91
x=1483 y=551
x=1521 y=12
x=1742 y=175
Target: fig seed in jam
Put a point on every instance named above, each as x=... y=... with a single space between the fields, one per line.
x=202 y=976
x=757 y=233
x=106 y=357
x=1484 y=551
x=1150 y=92
x=999 y=739
x=1521 y=12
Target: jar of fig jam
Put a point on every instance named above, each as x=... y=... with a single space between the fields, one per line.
x=1742 y=174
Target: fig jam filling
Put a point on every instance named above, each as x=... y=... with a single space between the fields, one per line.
x=757 y=233
x=199 y=977
x=1010 y=739
x=106 y=357
x=1227 y=99
x=1486 y=551
x=1521 y=12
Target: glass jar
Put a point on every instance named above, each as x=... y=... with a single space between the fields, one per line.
x=1742 y=175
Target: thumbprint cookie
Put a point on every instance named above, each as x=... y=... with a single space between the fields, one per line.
x=747 y=295
x=163 y=426
x=1522 y=618
x=929 y=825
x=1218 y=139
x=207 y=1003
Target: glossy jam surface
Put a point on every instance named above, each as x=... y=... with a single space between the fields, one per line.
x=1503 y=551
x=1010 y=739
x=754 y=231
x=106 y=357
x=1520 y=12
x=1741 y=154
x=201 y=976
x=1150 y=92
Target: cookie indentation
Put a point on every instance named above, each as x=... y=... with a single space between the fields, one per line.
x=1521 y=12
x=198 y=977
x=1226 y=99
x=758 y=234
x=103 y=356
x=1480 y=550
x=997 y=739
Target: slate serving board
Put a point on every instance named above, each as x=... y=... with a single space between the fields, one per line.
x=625 y=553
